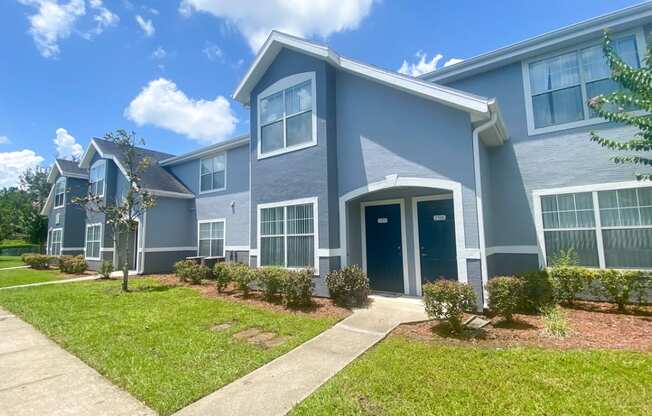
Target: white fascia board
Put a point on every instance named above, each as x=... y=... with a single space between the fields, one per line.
x=169 y=194
x=48 y=202
x=196 y=154
x=55 y=168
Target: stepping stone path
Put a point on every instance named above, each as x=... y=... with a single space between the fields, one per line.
x=257 y=336
x=222 y=327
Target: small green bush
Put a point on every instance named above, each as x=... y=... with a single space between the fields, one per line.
x=505 y=295
x=565 y=258
x=243 y=275
x=72 y=264
x=448 y=300
x=555 y=322
x=348 y=286
x=106 y=268
x=222 y=275
x=189 y=271
x=297 y=288
x=620 y=286
x=270 y=280
x=568 y=281
x=37 y=261
x=537 y=291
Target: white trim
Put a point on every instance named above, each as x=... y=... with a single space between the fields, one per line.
x=460 y=255
x=95 y=165
x=72 y=248
x=236 y=248
x=207 y=151
x=167 y=249
x=65 y=183
x=363 y=236
x=212 y=156
x=106 y=249
x=139 y=236
x=280 y=86
x=639 y=37
x=598 y=229
x=101 y=240
x=512 y=250
x=608 y=186
x=394 y=181
x=329 y=252
x=169 y=194
x=48 y=248
x=210 y=221
x=311 y=200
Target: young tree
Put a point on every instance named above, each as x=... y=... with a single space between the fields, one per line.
x=636 y=94
x=122 y=214
x=35 y=184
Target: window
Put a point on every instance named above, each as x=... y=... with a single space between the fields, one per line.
x=211 y=238
x=96 y=178
x=213 y=173
x=54 y=241
x=560 y=86
x=606 y=228
x=59 y=192
x=287 y=236
x=93 y=241
x=286 y=112
x=57 y=218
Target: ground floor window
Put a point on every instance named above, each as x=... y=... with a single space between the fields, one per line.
x=93 y=241
x=606 y=228
x=211 y=238
x=287 y=235
x=55 y=238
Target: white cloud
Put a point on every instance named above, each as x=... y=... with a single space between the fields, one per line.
x=212 y=51
x=452 y=61
x=103 y=17
x=255 y=18
x=4 y=140
x=67 y=146
x=162 y=104
x=159 y=53
x=146 y=25
x=13 y=164
x=52 y=23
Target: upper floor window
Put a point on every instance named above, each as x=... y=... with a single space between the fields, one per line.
x=213 y=173
x=560 y=86
x=97 y=178
x=59 y=192
x=286 y=115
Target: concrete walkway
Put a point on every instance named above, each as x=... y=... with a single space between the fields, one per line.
x=37 y=377
x=14 y=268
x=56 y=282
x=278 y=386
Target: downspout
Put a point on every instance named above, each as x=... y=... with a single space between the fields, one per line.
x=478 y=200
x=144 y=236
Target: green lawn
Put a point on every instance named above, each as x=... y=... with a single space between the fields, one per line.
x=10 y=261
x=17 y=277
x=156 y=341
x=408 y=377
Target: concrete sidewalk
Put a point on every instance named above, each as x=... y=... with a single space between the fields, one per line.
x=278 y=386
x=56 y=282
x=37 y=377
x=14 y=268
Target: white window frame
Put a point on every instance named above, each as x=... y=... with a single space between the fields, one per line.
x=278 y=86
x=285 y=204
x=86 y=256
x=593 y=189
x=95 y=165
x=223 y=221
x=225 y=172
x=57 y=218
x=62 y=179
x=641 y=46
x=49 y=241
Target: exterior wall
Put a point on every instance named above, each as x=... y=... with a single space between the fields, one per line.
x=71 y=218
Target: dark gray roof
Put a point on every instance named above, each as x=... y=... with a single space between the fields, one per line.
x=71 y=168
x=155 y=177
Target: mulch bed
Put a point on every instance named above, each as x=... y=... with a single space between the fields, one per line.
x=321 y=307
x=592 y=325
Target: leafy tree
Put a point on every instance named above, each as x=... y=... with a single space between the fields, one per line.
x=130 y=204
x=35 y=184
x=636 y=94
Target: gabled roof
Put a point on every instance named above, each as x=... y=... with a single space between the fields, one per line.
x=207 y=150
x=155 y=179
x=67 y=168
x=586 y=30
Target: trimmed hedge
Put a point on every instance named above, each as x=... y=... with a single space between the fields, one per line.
x=506 y=295
x=222 y=275
x=72 y=264
x=37 y=261
x=348 y=286
x=448 y=300
x=243 y=276
x=568 y=281
x=270 y=280
x=189 y=271
x=537 y=291
x=297 y=288
x=620 y=286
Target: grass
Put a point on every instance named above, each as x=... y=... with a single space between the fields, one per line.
x=408 y=377
x=10 y=261
x=156 y=342
x=26 y=276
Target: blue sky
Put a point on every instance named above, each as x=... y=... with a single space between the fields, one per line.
x=75 y=69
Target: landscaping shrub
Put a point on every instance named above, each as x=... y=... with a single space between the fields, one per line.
x=243 y=275
x=37 y=261
x=563 y=258
x=619 y=286
x=448 y=300
x=348 y=286
x=554 y=321
x=505 y=295
x=537 y=291
x=189 y=271
x=222 y=275
x=568 y=281
x=297 y=288
x=72 y=264
x=270 y=280
x=106 y=268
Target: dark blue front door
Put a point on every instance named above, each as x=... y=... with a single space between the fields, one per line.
x=384 y=247
x=437 y=240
